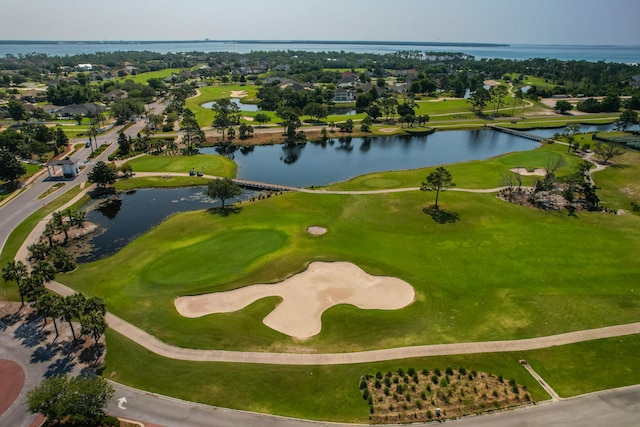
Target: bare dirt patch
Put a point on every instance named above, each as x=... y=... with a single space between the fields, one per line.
x=316 y=231
x=412 y=396
x=306 y=296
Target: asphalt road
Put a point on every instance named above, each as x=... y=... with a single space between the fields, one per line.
x=20 y=207
x=619 y=407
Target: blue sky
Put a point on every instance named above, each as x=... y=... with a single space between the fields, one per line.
x=496 y=21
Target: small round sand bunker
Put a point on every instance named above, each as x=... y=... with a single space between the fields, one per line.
x=316 y=231
x=535 y=172
x=306 y=296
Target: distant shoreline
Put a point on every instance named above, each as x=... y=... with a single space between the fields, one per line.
x=310 y=42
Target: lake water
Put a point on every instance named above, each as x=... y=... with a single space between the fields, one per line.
x=548 y=133
x=123 y=217
x=623 y=54
x=308 y=164
x=240 y=104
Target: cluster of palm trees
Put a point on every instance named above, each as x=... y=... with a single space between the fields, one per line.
x=31 y=286
x=60 y=222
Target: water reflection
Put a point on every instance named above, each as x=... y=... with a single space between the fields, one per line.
x=292 y=152
x=110 y=207
x=124 y=216
x=240 y=104
x=322 y=163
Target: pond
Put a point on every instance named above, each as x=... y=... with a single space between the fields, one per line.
x=124 y=216
x=240 y=104
x=549 y=133
x=307 y=164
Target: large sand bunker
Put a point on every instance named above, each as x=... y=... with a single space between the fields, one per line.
x=306 y=296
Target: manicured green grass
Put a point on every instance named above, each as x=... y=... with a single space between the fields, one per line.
x=476 y=174
x=143 y=77
x=501 y=272
x=559 y=122
x=330 y=393
x=209 y=164
x=619 y=182
x=205 y=116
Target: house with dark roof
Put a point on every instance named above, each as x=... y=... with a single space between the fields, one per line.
x=83 y=109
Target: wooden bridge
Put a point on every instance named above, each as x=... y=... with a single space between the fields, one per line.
x=255 y=185
x=518 y=133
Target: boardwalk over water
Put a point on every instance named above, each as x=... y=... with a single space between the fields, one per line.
x=255 y=185
x=518 y=133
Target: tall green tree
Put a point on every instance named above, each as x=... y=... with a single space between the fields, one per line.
x=80 y=399
x=50 y=305
x=10 y=168
x=627 y=119
x=479 y=100
x=16 y=110
x=17 y=272
x=438 y=180
x=222 y=189
x=102 y=174
x=71 y=309
x=227 y=114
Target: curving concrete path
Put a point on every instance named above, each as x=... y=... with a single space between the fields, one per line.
x=153 y=344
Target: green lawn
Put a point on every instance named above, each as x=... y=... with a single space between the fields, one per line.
x=205 y=116
x=143 y=77
x=476 y=174
x=209 y=164
x=499 y=273
x=330 y=393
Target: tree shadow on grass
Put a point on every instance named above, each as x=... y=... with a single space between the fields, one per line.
x=441 y=216
x=226 y=211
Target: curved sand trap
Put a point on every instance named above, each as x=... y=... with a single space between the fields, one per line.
x=316 y=231
x=238 y=93
x=524 y=171
x=306 y=296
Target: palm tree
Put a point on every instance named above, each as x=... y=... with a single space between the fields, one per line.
x=33 y=288
x=45 y=270
x=15 y=271
x=93 y=324
x=71 y=307
x=49 y=231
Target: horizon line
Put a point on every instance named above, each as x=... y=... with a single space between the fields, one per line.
x=304 y=41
